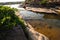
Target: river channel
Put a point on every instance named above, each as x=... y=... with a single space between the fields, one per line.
x=48 y=24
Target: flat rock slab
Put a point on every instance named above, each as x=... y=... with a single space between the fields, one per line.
x=45 y=10
x=15 y=34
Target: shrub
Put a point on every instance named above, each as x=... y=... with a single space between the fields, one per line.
x=8 y=19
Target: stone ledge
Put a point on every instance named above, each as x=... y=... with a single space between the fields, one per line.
x=34 y=35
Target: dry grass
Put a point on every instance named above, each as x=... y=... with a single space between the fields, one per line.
x=53 y=33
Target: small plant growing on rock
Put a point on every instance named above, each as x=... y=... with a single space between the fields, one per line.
x=8 y=19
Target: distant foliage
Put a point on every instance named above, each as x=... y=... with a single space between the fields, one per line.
x=37 y=1
x=8 y=19
x=43 y=1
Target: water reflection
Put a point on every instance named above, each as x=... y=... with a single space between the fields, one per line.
x=51 y=19
x=51 y=16
x=31 y=15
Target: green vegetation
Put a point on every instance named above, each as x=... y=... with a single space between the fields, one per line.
x=37 y=1
x=8 y=19
x=43 y=1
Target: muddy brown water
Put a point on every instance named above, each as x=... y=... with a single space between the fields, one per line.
x=47 y=24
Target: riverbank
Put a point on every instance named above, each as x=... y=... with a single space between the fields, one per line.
x=44 y=10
